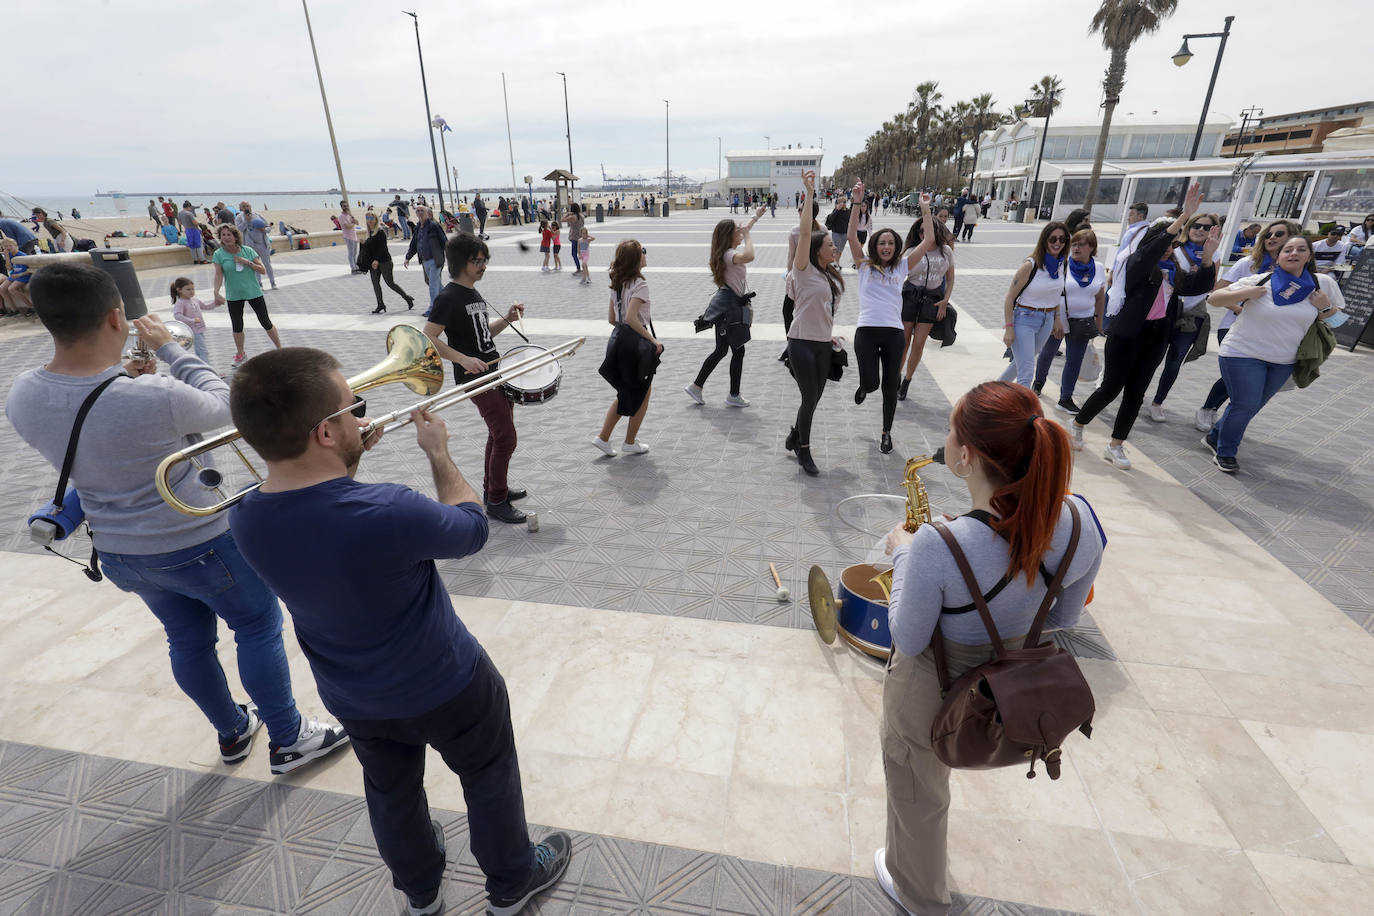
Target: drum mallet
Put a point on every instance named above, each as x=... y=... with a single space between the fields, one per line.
x=783 y=593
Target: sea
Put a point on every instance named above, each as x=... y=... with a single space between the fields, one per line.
x=93 y=206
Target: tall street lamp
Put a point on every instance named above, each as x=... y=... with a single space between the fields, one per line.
x=441 y=125
x=1182 y=57
x=567 y=123
x=329 y=122
x=429 y=119
x=1044 y=136
x=719 y=157
x=667 y=168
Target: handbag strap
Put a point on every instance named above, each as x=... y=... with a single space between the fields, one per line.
x=70 y=456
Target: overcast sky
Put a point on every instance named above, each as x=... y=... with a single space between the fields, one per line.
x=143 y=95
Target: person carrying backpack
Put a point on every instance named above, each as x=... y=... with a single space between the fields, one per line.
x=1022 y=543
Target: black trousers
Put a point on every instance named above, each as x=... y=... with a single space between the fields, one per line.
x=384 y=272
x=736 y=361
x=473 y=733
x=259 y=307
x=810 y=360
x=878 y=352
x=788 y=307
x=1128 y=365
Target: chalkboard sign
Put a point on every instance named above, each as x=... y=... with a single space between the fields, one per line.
x=1358 y=290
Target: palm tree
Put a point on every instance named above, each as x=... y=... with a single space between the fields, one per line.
x=1120 y=23
x=925 y=102
x=960 y=118
x=982 y=116
x=1046 y=96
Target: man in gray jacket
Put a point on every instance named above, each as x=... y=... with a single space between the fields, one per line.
x=428 y=242
x=187 y=570
x=254 y=229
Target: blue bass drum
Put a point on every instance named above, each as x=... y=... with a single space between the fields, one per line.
x=861 y=615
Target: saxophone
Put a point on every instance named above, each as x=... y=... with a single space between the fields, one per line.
x=917 y=511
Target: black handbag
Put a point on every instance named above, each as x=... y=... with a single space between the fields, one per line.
x=1082 y=328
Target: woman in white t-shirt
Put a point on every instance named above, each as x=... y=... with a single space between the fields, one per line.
x=926 y=292
x=1275 y=311
x=879 y=338
x=632 y=355
x=1360 y=236
x=1260 y=259
x=1084 y=300
x=1192 y=309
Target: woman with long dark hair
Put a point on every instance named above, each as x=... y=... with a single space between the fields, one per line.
x=1034 y=299
x=1192 y=309
x=729 y=312
x=879 y=339
x=1139 y=334
x=1016 y=464
x=1261 y=258
x=1085 y=298
x=928 y=287
x=816 y=286
x=375 y=257
x=633 y=354
x=1275 y=310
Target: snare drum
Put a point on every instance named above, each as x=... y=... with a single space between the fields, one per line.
x=534 y=386
x=862 y=610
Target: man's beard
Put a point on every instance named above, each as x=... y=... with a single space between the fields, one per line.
x=353 y=453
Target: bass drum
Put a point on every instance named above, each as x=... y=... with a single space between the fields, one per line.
x=861 y=615
x=534 y=386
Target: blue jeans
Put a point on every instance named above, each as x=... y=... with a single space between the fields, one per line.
x=189 y=590
x=1032 y=330
x=1251 y=383
x=435 y=278
x=1074 y=351
x=1180 y=343
x=202 y=350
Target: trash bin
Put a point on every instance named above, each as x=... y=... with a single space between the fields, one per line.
x=705 y=203
x=465 y=223
x=116 y=263
x=600 y=213
x=1021 y=211
x=665 y=208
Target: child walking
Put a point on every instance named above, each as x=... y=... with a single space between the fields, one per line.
x=584 y=247
x=557 y=244
x=186 y=308
x=545 y=242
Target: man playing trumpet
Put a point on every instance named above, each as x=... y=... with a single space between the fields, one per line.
x=354 y=562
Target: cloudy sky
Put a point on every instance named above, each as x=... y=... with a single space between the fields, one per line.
x=200 y=96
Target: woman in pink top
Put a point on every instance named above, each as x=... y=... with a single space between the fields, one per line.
x=632 y=355
x=349 y=226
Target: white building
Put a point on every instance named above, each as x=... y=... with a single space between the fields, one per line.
x=777 y=170
x=1007 y=157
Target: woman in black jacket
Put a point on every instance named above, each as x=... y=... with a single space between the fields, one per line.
x=374 y=257
x=1139 y=334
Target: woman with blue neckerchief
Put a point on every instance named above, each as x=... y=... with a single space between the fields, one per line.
x=1139 y=334
x=1031 y=309
x=1192 y=310
x=1274 y=310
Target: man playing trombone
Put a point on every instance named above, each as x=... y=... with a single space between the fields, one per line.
x=187 y=570
x=354 y=563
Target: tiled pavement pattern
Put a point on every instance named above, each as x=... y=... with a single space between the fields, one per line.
x=82 y=835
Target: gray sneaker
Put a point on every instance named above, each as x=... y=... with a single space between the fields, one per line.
x=1116 y=454
x=314 y=741
x=735 y=400
x=1204 y=420
x=551 y=859
x=694 y=393
x=1075 y=436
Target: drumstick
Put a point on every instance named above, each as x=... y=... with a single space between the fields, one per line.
x=783 y=594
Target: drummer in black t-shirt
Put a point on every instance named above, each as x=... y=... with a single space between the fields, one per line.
x=461 y=313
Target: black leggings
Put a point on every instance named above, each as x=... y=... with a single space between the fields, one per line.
x=259 y=305
x=383 y=272
x=1128 y=365
x=736 y=362
x=810 y=360
x=878 y=352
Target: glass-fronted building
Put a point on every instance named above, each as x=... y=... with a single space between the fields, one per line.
x=777 y=170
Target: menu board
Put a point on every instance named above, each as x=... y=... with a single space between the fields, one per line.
x=1358 y=290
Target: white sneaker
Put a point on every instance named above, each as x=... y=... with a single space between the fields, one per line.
x=543 y=270
x=1204 y=420
x=694 y=393
x=885 y=878
x=634 y=448
x=314 y=740
x=735 y=400
x=1116 y=454
x=1157 y=413
x=607 y=449
x=1075 y=436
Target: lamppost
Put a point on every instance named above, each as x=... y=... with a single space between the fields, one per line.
x=667 y=168
x=329 y=122
x=1048 y=102
x=441 y=125
x=767 y=142
x=1181 y=57
x=1248 y=115
x=567 y=123
x=719 y=158
x=429 y=119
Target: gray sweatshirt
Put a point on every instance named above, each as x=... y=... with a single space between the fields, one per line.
x=133 y=425
x=927 y=578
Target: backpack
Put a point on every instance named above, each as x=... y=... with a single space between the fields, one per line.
x=1021 y=705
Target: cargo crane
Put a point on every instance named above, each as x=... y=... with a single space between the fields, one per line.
x=622 y=182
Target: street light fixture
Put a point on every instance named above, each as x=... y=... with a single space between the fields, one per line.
x=1181 y=58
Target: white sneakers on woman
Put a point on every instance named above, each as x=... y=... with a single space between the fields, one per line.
x=1075 y=436
x=1157 y=413
x=885 y=878
x=629 y=448
x=1116 y=454
x=634 y=448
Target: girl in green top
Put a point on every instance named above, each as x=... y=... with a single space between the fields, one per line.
x=236 y=270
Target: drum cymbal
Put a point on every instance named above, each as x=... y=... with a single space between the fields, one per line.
x=822 y=604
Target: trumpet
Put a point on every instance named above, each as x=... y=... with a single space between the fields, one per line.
x=411 y=360
x=138 y=350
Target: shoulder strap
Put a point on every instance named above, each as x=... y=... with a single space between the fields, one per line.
x=1057 y=584
x=70 y=457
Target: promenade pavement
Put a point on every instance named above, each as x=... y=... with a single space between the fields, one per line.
x=708 y=752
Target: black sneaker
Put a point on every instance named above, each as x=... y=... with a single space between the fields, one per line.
x=1227 y=464
x=1036 y=386
x=885 y=443
x=1068 y=406
x=902 y=389
x=859 y=395
x=315 y=740
x=551 y=859
x=1212 y=446
x=234 y=749
x=505 y=512
x=433 y=904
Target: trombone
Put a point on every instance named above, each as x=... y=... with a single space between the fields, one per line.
x=411 y=360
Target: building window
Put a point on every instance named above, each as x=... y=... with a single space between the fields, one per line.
x=1299 y=134
x=985 y=159
x=1076 y=189
x=749 y=169
x=1023 y=152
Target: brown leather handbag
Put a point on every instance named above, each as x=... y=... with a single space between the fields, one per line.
x=1021 y=705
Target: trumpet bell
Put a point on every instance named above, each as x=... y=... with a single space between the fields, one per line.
x=410 y=359
x=182 y=336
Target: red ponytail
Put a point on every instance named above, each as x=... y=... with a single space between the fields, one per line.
x=1026 y=457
